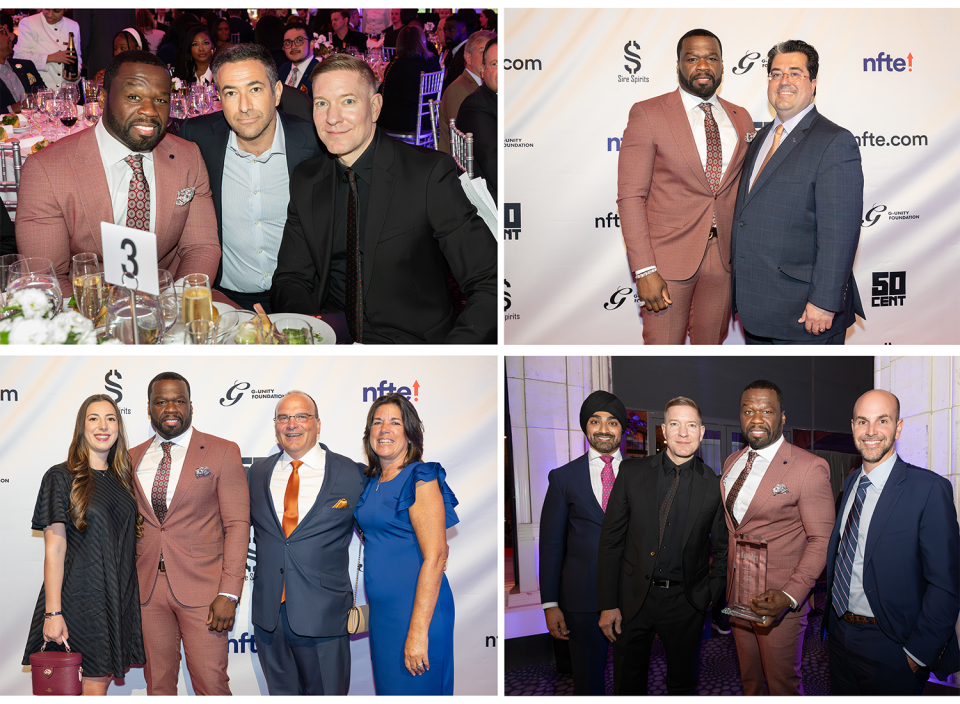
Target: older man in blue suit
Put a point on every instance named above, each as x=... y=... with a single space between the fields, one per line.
x=796 y=222
x=301 y=507
x=570 y=523
x=892 y=566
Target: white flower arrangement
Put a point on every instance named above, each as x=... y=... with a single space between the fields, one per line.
x=176 y=83
x=27 y=320
x=429 y=27
x=320 y=40
x=375 y=43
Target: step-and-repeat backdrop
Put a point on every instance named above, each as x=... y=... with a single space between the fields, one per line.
x=571 y=77
x=234 y=398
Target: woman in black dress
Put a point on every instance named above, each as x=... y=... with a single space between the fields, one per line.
x=401 y=82
x=87 y=512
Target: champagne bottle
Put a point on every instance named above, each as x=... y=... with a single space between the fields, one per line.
x=71 y=72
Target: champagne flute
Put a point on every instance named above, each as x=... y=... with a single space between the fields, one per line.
x=200 y=332
x=6 y=262
x=38 y=274
x=197 y=298
x=88 y=285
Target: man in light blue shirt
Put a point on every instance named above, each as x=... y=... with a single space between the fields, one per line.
x=892 y=566
x=250 y=149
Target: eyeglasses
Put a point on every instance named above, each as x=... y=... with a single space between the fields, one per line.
x=301 y=418
x=792 y=76
x=294 y=42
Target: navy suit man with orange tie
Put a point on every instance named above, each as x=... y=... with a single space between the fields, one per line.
x=301 y=507
x=570 y=523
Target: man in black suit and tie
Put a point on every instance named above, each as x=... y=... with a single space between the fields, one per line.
x=570 y=522
x=301 y=508
x=250 y=150
x=654 y=575
x=375 y=228
x=301 y=61
x=796 y=220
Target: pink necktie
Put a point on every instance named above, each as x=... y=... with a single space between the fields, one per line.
x=738 y=485
x=138 y=195
x=158 y=495
x=606 y=478
x=714 y=152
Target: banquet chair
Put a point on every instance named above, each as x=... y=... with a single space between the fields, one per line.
x=434 y=106
x=10 y=177
x=461 y=148
x=431 y=86
x=235 y=37
x=388 y=53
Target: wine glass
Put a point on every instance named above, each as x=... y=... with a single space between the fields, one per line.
x=197 y=298
x=68 y=91
x=169 y=303
x=67 y=112
x=38 y=274
x=120 y=323
x=88 y=285
x=91 y=113
x=6 y=261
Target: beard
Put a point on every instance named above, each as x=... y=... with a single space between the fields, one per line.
x=168 y=432
x=765 y=440
x=129 y=138
x=700 y=91
x=873 y=455
x=604 y=443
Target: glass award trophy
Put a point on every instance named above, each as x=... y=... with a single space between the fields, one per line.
x=750 y=571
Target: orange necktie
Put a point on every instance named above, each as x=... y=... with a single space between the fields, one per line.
x=776 y=143
x=291 y=516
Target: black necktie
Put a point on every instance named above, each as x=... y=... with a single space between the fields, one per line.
x=353 y=303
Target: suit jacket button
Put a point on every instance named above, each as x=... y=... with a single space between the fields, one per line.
x=653 y=552
x=281 y=570
x=741 y=223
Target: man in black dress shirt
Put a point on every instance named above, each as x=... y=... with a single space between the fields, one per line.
x=375 y=228
x=654 y=574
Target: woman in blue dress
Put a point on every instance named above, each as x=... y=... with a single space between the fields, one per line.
x=404 y=514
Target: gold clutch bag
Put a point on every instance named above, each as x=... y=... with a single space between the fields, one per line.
x=358 y=618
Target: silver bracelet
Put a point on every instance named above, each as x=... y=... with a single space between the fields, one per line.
x=52 y=614
x=647 y=273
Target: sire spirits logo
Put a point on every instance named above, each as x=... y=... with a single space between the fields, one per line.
x=115 y=389
x=633 y=65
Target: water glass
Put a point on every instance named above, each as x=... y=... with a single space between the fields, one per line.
x=6 y=261
x=169 y=301
x=38 y=274
x=126 y=307
x=91 y=113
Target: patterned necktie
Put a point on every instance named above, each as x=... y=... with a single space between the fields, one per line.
x=158 y=495
x=737 y=485
x=776 y=143
x=291 y=514
x=292 y=76
x=138 y=195
x=606 y=479
x=668 y=501
x=848 y=550
x=354 y=301
x=714 y=170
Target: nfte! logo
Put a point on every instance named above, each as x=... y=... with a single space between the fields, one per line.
x=115 y=389
x=511 y=221
x=633 y=64
x=889 y=288
x=239 y=645
x=886 y=62
x=372 y=393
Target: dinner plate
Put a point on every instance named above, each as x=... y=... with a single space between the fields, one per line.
x=326 y=332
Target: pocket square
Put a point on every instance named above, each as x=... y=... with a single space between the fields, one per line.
x=184 y=196
x=342 y=503
x=748 y=137
x=780 y=489
x=202 y=472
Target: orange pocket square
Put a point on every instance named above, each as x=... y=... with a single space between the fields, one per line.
x=342 y=503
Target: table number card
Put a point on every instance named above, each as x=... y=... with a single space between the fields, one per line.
x=130 y=258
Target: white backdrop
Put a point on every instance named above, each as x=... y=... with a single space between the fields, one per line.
x=234 y=398
x=571 y=77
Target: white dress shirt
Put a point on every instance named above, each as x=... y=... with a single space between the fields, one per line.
x=311 y=480
x=697 y=118
x=119 y=173
x=147 y=471
x=750 y=485
x=596 y=483
x=788 y=127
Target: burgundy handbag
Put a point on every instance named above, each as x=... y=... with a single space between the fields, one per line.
x=56 y=672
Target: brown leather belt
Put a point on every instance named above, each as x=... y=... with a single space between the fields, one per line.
x=854 y=618
x=713 y=233
x=162 y=567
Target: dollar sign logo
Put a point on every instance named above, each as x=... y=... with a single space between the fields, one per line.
x=632 y=57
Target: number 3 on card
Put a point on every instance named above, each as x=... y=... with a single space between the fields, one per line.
x=130 y=258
